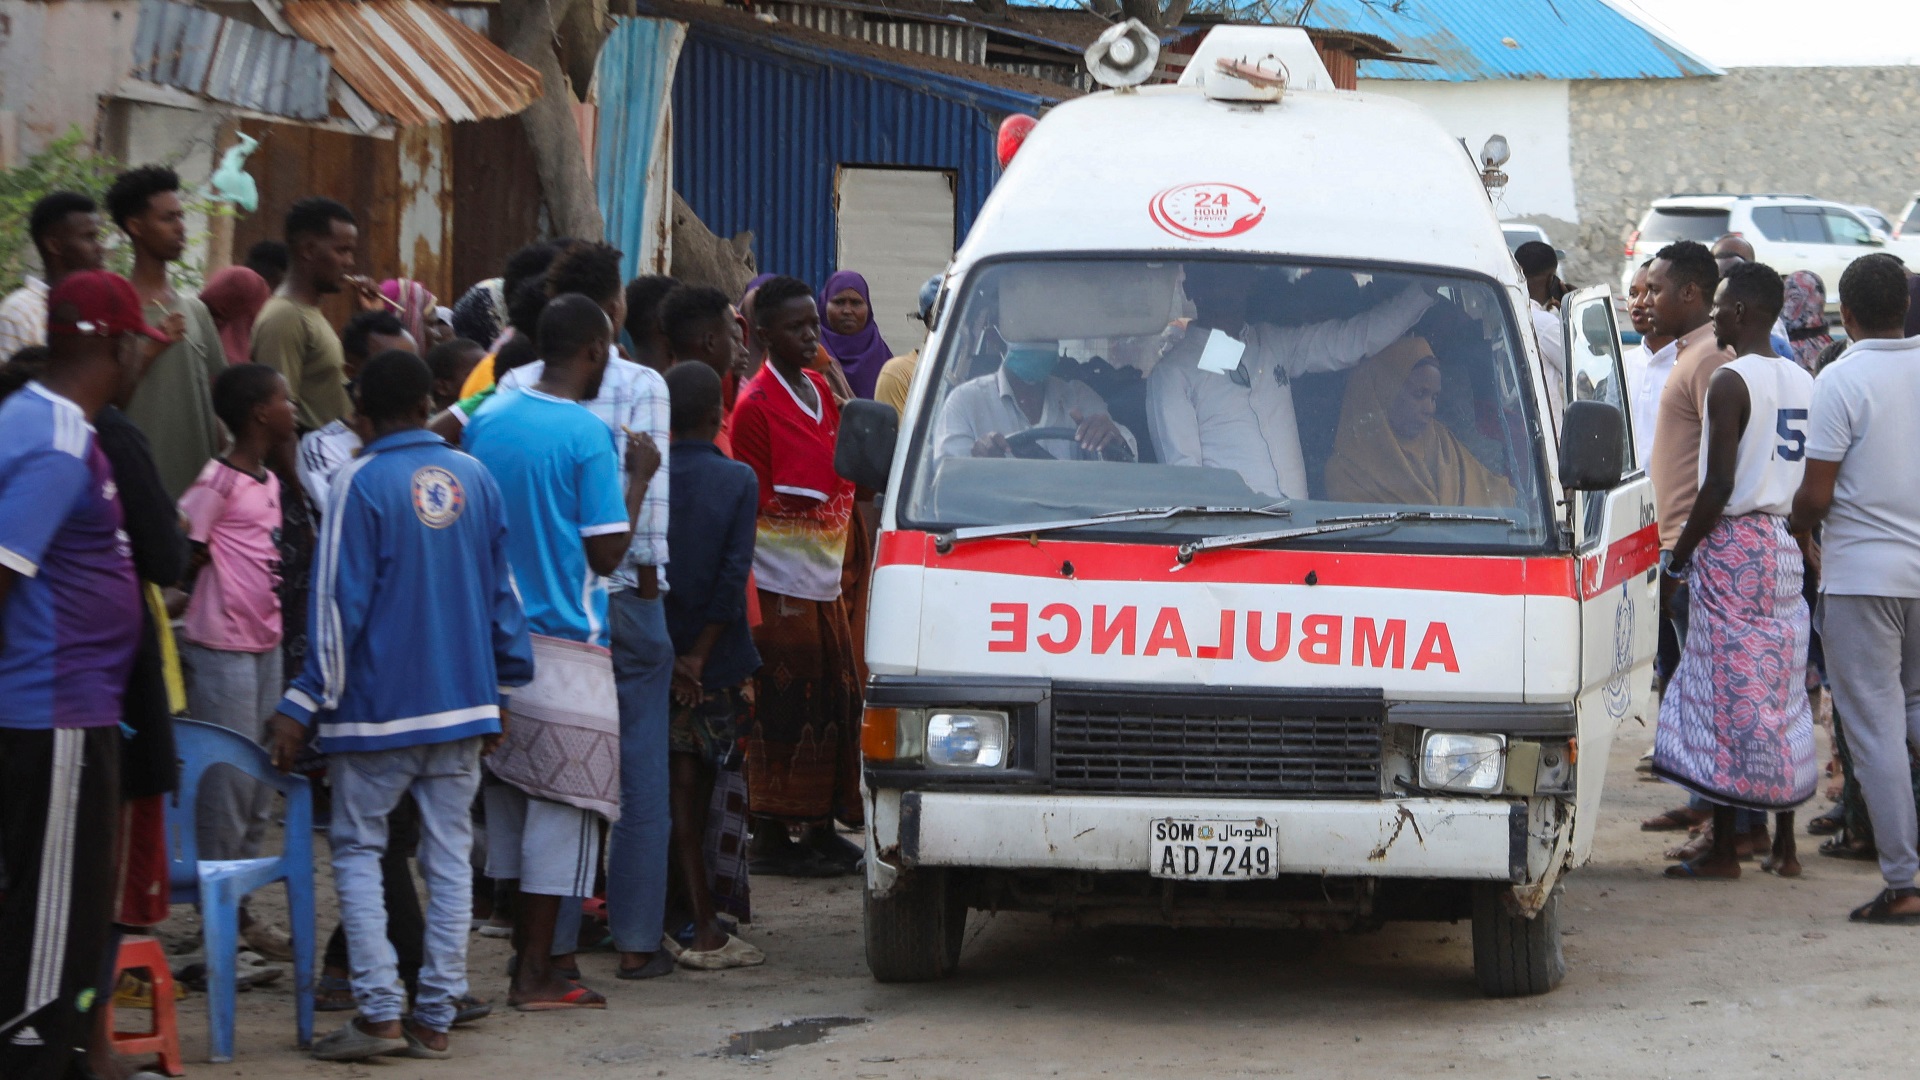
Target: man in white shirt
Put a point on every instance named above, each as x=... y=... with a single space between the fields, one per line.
x=327 y=448
x=1539 y=262
x=1647 y=365
x=1024 y=394
x=65 y=228
x=1204 y=411
x=1863 y=437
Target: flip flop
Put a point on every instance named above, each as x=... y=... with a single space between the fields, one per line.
x=734 y=954
x=660 y=963
x=419 y=1049
x=1678 y=819
x=1687 y=871
x=351 y=1044
x=1828 y=824
x=577 y=998
x=470 y=1008
x=1768 y=866
x=1875 y=910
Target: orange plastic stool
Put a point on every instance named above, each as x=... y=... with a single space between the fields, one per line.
x=141 y=953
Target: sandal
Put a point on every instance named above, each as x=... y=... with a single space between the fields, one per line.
x=1678 y=819
x=577 y=998
x=417 y=1047
x=1690 y=871
x=352 y=1044
x=1843 y=847
x=1877 y=909
x=1829 y=823
x=333 y=994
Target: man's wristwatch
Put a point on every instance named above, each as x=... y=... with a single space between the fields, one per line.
x=1675 y=570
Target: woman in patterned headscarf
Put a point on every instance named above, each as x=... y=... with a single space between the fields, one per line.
x=1804 y=315
x=414 y=305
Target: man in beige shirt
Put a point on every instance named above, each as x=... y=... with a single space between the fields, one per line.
x=292 y=335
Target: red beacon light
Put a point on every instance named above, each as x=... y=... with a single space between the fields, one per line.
x=1013 y=132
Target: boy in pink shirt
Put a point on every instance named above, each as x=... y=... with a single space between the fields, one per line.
x=231 y=646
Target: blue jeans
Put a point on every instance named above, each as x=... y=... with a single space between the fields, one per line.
x=637 y=852
x=366 y=788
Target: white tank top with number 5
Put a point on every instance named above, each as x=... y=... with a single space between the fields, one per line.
x=1773 y=448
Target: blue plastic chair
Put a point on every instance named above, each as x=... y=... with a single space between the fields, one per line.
x=218 y=886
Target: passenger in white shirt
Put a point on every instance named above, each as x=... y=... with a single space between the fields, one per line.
x=1647 y=364
x=1242 y=418
x=981 y=413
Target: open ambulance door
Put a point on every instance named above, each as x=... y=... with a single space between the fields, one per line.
x=1619 y=555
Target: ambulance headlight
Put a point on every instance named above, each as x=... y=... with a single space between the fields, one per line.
x=1461 y=762
x=967 y=740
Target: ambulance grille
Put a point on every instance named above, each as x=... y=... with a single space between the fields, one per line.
x=1301 y=757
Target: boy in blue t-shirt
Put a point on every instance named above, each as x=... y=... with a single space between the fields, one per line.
x=568 y=525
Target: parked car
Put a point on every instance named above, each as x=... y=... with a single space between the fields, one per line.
x=1519 y=232
x=1788 y=232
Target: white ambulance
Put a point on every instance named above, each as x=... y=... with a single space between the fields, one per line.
x=1242 y=561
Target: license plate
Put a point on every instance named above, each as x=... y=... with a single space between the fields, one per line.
x=1210 y=849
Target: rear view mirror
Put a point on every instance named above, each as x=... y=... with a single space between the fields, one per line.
x=1593 y=446
x=864 y=452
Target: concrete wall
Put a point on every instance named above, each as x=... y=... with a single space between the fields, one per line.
x=57 y=57
x=1533 y=115
x=1847 y=134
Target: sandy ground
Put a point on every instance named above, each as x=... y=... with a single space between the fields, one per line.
x=1759 y=977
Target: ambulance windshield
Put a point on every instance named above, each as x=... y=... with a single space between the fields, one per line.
x=1076 y=388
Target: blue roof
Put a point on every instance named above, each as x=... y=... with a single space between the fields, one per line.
x=1475 y=40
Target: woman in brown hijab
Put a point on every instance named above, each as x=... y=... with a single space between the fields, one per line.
x=1390 y=449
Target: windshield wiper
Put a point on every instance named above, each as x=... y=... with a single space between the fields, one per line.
x=943 y=542
x=1327 y=525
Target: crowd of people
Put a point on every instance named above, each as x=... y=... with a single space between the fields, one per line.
x=552 y=591
x=556 y=591
x=1789 y=555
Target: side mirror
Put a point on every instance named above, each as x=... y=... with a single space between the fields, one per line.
x=1876 y=238
x=864 y=452
x=1593 y=445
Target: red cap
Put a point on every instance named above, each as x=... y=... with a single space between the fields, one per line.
x=97 y=303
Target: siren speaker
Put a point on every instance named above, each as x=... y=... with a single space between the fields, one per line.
x=1124 y=55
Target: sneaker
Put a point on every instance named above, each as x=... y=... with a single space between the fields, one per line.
x=268 y=940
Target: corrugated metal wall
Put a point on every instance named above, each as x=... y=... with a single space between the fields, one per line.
x=760 y=126
x=966 y=44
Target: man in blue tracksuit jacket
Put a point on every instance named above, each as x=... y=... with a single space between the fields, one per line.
x=416 y=635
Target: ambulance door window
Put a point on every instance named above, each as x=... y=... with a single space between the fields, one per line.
x=1593 y=355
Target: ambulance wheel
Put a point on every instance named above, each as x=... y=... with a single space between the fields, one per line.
x=1515 y=956
x=914 y=934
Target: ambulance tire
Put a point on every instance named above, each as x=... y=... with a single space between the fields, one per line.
x=914 y=934
x=1515 y=956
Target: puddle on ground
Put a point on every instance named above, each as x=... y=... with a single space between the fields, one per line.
x=787 y=1033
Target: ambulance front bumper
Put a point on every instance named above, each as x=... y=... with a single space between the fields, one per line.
x=1455 y=839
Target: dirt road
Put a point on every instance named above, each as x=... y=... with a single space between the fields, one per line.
x=1760 y=977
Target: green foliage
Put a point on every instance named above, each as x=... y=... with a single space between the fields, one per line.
x=69 y=164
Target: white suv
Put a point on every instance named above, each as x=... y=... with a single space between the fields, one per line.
x=1788 y=233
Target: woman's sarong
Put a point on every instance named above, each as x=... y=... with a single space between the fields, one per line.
x=803 y=749
x=1735 y=725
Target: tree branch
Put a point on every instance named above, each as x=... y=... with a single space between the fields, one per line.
x=529 y=27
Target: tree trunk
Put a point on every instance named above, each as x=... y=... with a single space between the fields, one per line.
x=558 y=158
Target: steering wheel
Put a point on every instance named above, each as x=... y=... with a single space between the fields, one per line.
x=1026 y=444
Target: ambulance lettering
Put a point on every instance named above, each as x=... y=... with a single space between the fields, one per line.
x=1338 y=640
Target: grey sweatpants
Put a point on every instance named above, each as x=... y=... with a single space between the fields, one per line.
x=238 y=691
x=1873 y=662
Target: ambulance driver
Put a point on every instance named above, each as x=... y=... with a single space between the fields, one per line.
x=1391 y=449
x=1241 y=417
x=981 y=413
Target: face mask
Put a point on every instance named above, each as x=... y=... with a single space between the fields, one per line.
x=1031 y=364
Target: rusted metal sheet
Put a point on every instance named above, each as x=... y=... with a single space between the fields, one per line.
x=195 y=50
x=414 y=62
x=426 y=208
